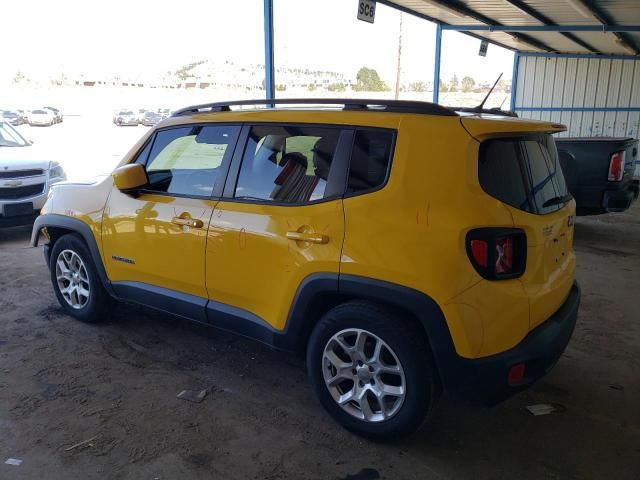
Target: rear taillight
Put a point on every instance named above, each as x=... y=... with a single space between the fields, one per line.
x=480 y=252
x=504 y=254
x=497 y=253
x=616 y=166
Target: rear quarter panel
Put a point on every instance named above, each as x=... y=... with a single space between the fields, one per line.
x=413 y=232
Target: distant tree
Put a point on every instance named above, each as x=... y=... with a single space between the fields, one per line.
x=311 y=87
x=337 y=87
x=467 y=84
x=281 y=87
x=368 y=80
x=418 y=87
x=454 y=85
x=443 y=86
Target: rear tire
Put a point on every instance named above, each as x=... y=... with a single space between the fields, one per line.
x=380 y=397
x=76 y=282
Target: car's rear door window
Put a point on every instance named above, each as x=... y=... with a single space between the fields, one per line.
x=370 y=160
x=523 y=172
x=286 y=164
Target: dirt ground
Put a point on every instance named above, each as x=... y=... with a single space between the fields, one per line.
x=63 y=382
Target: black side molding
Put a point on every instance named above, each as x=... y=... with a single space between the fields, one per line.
x=76 y=226
x=180 y=304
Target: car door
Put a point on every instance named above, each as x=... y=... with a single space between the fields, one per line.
x=154 y=240
x=280 y=219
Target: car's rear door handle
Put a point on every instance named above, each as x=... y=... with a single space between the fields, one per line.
x=188 y=222
x=308 y=237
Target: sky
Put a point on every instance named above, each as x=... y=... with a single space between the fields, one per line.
x=49 y=37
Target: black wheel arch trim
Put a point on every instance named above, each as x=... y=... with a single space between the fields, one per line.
x=76 y=226
x=420 y=305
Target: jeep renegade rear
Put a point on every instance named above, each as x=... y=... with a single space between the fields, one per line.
x=406 y=250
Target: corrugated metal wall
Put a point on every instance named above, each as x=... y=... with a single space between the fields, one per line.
x=591 y=96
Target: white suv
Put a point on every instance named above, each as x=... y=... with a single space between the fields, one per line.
x=25 y=178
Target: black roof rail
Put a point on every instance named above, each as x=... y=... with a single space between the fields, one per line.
x=373 y=105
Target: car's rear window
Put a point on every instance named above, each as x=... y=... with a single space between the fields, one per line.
x=523 y=172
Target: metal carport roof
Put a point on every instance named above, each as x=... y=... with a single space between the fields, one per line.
x=556 y=26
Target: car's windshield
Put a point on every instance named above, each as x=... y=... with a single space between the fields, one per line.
x=9 y=136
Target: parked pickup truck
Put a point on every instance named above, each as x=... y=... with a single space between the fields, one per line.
x=600 y=172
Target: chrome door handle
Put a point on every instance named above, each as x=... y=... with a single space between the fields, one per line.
x=308 y=237
x=188 y=222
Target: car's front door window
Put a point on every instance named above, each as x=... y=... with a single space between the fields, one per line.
x=188 y=160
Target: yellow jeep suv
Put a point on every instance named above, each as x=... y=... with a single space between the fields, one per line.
x=407 y=250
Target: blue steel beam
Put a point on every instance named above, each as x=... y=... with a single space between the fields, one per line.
x=579 y=55
x=543 y=28
x=514 y=80
x=436 y=67
x=269 y=67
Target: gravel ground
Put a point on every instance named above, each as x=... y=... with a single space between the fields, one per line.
x=63 y=382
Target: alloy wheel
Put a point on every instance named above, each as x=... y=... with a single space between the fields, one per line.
x=363 y=375
x=72 y=278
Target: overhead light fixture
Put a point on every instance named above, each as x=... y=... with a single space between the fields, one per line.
x=444 y=8
x=581 y=8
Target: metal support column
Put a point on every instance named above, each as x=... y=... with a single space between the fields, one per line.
x=514 y=80
x=269 y=71
x=436 y=67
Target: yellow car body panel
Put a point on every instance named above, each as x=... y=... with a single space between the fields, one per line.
x=409 y=232
x=251 y=264
x=141 y=242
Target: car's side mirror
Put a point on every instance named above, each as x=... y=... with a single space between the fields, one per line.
x=130 y=178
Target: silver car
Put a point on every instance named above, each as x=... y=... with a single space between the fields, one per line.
x=25 y=178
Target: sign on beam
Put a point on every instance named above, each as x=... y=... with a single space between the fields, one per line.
x=483 y=48
x=367 y=10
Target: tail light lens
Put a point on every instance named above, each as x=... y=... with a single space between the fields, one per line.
x=504 y=254
x=480 y=252
x=497 y=253
x=616 y=166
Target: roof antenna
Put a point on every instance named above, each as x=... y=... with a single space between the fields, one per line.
x=481 y=106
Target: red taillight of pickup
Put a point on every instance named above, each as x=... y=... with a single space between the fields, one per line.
x=497 y=253
x=616 y=166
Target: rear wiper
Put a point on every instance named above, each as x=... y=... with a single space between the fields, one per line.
x=556 y=201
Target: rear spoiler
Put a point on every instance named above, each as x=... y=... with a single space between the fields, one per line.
x=493 y=111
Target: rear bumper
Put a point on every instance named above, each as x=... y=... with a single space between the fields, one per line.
x=620 y=200
x=611 y=197
x=485 y=381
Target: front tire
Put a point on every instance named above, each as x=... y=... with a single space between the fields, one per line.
x=371 y=371
x=76 y=282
